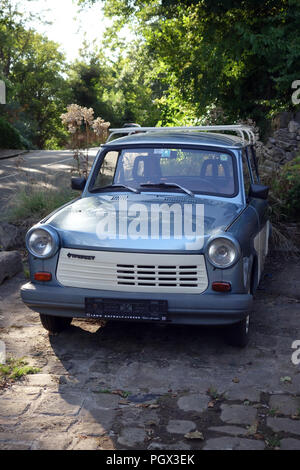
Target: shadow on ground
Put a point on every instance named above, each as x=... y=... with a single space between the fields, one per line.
x=146 y=386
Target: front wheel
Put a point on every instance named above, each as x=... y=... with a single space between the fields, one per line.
x=238 y=334
x=55 y=324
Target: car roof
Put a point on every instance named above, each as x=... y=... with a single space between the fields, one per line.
x=178 y=138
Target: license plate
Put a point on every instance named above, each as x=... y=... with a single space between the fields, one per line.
x=125 y=309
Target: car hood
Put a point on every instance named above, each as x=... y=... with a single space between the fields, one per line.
x=144 y=222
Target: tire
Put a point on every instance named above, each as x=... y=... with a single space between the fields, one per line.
x=55 y=324
x=238 y=334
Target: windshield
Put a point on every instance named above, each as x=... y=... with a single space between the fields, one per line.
x=195 y=170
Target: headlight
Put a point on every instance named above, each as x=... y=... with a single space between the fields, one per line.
x=223 y=252
x=42 y=242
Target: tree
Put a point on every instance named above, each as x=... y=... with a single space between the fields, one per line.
x=40 y=87
x=120 y=90
x=32 y=67
x=239 y=55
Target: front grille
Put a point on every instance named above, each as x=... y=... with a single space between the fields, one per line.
x=158 y=276
x=135 y=272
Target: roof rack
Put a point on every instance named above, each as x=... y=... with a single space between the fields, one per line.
x=245 y=132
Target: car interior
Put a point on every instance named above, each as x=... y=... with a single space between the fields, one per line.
x=214 y=175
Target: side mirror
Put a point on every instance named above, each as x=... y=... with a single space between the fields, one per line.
x=78 y=183
x=258 y=191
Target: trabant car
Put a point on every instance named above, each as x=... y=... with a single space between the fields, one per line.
x=171 y=227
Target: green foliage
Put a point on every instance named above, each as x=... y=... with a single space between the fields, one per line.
x=284 y=200
x=10 y=138
x=26 y=273
x=58 y=141
x=239 y=55
x=286 y=190
x=32 y=68
x=122 y=393
x=38 y=88
x=273 y=442
x=15 y=369
x=120 y=91
x=188 y=58
x=37 y=202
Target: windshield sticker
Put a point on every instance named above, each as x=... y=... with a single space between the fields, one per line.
x=164 y=153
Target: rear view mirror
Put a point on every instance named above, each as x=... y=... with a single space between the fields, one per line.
x=258 y=191
x=78 y=183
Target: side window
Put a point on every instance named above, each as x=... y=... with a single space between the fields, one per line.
x=251 y=158
x=246 y=173
x=107 y=171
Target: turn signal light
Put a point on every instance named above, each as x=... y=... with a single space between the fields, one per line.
x=221 y=286
x=43 y=277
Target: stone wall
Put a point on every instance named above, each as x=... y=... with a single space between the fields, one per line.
x=283 y=145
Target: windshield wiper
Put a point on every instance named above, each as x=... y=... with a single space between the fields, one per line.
x=157 y=185
x=117 y=186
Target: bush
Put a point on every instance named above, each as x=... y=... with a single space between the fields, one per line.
x=286 y=191
x=55 y=143
x=10 y=138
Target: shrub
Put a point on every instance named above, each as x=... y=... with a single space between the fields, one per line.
x=286 y=191
x=10 y=138
x=83 y=128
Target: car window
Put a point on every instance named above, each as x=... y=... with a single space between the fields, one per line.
x=202 y=171
x=254 y=173
x=107 y=170
x=246 y=172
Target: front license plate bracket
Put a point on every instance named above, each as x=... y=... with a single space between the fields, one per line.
x=126 y=309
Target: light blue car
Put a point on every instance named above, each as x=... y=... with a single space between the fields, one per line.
x=171 y=227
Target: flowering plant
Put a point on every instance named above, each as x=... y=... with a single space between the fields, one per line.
x=82 y=126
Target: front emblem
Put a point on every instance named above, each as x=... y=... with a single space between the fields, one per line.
x=73 y=255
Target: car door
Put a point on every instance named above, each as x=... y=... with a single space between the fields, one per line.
x=251 y=176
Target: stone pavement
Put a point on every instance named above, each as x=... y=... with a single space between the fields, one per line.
x=134 y=386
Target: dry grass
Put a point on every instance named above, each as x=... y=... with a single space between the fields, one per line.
x=36 y=201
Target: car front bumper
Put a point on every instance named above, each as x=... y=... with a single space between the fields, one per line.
x=194 y=309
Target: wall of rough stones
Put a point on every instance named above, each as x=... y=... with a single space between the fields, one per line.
x=283 y=145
